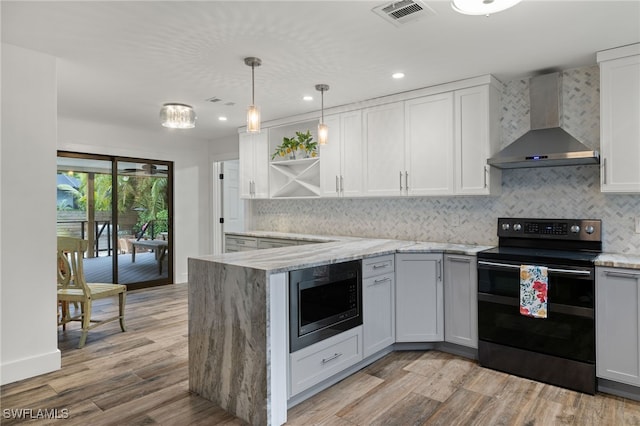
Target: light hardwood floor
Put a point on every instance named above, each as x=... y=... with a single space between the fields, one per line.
x=140 y=377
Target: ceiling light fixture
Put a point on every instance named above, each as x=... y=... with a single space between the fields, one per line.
x=307 y=98
x=323 y=129
x=397 y=75
x=482 y=7
x=178 y=116
x=253 y=112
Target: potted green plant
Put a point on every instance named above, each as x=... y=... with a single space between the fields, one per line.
x=299 y=146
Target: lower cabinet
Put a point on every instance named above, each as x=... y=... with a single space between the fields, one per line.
x=461 y=300
x=618 y=325
x=419 y=297
x=315 y=363
x=233 y=243
x=378 y=304
x=267 y=243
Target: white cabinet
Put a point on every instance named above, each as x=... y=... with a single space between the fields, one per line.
x=234 y=243
x=378 y=303
x=620 y=119
x=419 y=297
x=476 y=135
x=384 y=168
x=341 y=165
x=313 y=364
x=290 y=177
x=267 y=243
x=429 y=145
x=461 y=300
x=254 y=162
x=618 y=325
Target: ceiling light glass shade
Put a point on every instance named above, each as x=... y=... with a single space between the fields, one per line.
x=253 y=119
x=323 y=133
x=482 y=7
x=178 y=116
x=253 y=112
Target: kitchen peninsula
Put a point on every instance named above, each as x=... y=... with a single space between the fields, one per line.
x=238 y=319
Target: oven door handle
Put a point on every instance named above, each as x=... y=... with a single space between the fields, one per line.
x=554 y=270
x=578 y=311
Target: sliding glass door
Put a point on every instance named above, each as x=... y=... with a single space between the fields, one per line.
x=123 y=208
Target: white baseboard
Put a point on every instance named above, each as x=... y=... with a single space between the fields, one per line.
x=29 y=367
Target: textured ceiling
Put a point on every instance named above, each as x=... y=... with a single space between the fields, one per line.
x=120 y=61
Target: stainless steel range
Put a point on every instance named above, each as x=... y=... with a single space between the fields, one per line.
x=557 y=345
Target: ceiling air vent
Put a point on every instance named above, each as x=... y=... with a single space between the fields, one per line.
x=404 y=11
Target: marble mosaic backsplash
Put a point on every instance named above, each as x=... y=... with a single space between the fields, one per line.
x=554 y=192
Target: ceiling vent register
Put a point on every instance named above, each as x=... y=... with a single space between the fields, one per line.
x=403 y=12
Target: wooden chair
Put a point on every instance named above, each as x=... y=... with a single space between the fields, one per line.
x=73 y=287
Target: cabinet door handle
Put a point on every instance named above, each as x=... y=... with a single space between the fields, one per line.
x=381 y=280
x=486 y=171
x=406 y=180
x=331 y=358
x=341 y=184
x=337 y=185
x=401 y=181
x=380 y=265
x=459 y=259
x=604 y=171
x=439 y=270
x=622 y=274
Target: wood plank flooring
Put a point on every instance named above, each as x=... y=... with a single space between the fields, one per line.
x=140 y=378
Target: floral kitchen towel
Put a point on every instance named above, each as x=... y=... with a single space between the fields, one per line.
x=533 y=291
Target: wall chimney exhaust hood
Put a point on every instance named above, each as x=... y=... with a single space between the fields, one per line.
x=546 y=144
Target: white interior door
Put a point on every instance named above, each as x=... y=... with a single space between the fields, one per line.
x=232 y=205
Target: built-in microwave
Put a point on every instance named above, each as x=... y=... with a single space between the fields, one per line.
x=324 y=301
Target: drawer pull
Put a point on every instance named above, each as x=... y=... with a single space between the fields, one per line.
x=382 y=280
x=622 y=274
x=331 y=358
x=381 y=265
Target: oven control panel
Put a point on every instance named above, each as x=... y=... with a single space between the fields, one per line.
x=561 y=229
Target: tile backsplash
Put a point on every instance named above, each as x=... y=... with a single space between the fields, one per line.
x=555 y=192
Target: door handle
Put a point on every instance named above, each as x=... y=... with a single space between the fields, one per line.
x=401 y=181
x=337 y=186
x=406 y=180
x=341 y=183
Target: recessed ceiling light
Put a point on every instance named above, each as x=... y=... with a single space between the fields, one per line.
x=397 y=75
x=307 y=98
x=222 y=118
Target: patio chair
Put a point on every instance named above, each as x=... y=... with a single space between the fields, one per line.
x=72 y=287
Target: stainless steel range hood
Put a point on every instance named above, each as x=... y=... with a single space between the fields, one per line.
x=546 y=144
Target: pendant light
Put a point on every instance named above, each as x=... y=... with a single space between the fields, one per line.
x=253 y=112
x=323 y=129
x=178 y=116
x=482 y=7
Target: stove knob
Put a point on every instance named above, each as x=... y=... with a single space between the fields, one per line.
x=589 y=229
x=575 y=229
x=517 y=227
x=505 y=226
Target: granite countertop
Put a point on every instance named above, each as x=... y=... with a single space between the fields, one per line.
x=334 y=249
x=284 y=259
x=618 y=260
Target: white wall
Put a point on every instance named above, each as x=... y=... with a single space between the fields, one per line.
x=28 y=340
x=192 y=174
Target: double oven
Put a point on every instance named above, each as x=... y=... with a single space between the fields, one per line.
x=560 y=348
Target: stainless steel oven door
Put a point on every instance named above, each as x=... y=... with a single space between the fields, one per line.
x=567 y=332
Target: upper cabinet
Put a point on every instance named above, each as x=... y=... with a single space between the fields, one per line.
x=294 y=172
x=620 y=119
x=253 y=166
x=341 y=165
x=477 y=137
x=384 y=168
x=429 y=145
x=434 y=141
